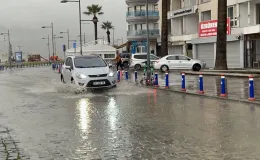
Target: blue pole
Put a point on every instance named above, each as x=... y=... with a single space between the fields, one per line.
x=126 y=75
x=223 y=86
x=183 y=82
x=156 y=84
x=118 y=76
x=166 y=80
x=201 y=91
x=136 y=76
x=251 y=89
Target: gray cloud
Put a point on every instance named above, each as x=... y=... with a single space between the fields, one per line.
x=24 y=19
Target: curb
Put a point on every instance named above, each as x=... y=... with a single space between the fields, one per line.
x=200 y=95
x=226 y=74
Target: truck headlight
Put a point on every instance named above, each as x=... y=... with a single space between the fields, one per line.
x=81 y=76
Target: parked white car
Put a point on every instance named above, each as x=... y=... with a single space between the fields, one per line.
x=138 y=59
x=178 y=62
x=88 y=71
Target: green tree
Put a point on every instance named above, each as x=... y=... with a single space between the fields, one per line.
x=221 y=51
x=164 y=29
x=107 y=26
x=94 y=10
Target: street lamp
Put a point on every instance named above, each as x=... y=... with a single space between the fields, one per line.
x=68 y=37
x=65 y=1
x=148 y=48
x=84 y=37
x=9 y=47
x=52 y=37
x=48 y=44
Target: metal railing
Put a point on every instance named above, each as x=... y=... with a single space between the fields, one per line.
x=152 y=32
x=142 y=13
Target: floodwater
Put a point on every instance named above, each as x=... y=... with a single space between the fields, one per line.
x=40 y=118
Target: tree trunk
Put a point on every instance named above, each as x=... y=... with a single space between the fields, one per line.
x=221 y=51
x=95 y=26
x=164 y=29
x=108 y=37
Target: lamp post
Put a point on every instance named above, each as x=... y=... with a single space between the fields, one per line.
x=113 y=36
x=84 y=37
x=48 y=44
x=55 y=42
x=9 y=47
x=65 y=1
x=52 y=36
x=68 y=33
x=148 y=48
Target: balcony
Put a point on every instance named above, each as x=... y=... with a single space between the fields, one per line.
x=140 y=16
x=141 y=34
x=139 y=2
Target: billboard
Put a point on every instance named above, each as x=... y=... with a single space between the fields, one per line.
x=209 y=28
x=18 y=56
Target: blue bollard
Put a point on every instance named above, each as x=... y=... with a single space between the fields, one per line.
x=156 y=84
x=135 y=76
x=183 y=88
x=126 y=75
x=223 y=86
x=201 y=91
x=166 y=80
x=251 y=89
x=118 y=76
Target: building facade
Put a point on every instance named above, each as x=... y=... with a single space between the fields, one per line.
x=193 y=31
x=137 y=29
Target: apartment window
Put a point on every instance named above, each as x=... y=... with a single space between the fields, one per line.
x=155 y=7
x=140 y=8
x=205 y=16
x=140 y=26
x=156 y=26
x=204 y=1
x=231 y=12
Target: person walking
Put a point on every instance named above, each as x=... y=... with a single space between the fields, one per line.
x=118 y=61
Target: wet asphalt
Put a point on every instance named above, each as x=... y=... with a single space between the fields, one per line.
x=40 y=118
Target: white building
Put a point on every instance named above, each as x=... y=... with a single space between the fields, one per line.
x=193 y=30
x=137 y=30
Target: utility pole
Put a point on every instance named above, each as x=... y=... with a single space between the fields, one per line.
x=113 y=36
x=148 y=74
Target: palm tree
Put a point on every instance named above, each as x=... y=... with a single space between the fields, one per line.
x=94 y=10
x=164 y=29
x=107 y=26
x=221 y=51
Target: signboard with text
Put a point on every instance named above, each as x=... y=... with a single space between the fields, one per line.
x=209 y=28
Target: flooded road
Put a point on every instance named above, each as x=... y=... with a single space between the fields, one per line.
x=40 y=118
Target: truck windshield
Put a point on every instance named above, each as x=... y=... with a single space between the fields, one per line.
x=89 y=62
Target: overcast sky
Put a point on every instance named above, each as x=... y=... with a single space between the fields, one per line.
x=24 y=19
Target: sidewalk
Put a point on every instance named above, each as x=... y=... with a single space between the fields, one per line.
x=228 y=73
x=237 y=88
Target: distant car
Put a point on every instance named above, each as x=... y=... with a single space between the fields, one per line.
x=88 y=71
x=178 y=62
x=125 y=57
x=138 y=60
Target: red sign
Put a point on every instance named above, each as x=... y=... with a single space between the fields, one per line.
x=209 y=28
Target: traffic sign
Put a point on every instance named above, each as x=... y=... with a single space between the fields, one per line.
x=74 y=45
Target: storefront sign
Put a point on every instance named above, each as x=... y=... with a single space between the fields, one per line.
x=209 y=28
x=182 y=12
